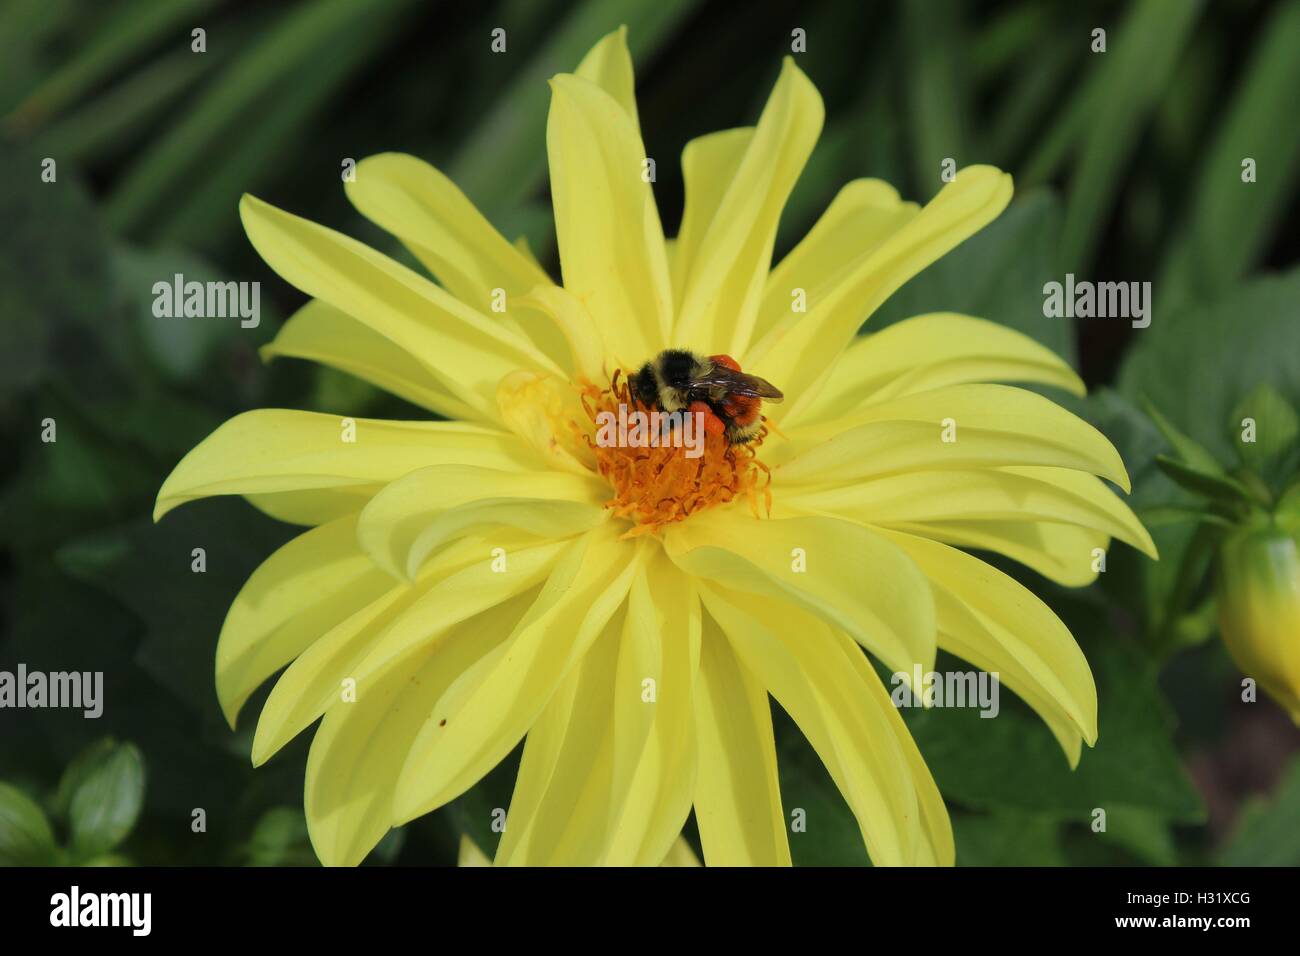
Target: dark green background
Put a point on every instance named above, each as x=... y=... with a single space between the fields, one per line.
x=1127 y=167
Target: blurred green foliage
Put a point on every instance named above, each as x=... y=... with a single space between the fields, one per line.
x=94 y=808
x=1128 y=165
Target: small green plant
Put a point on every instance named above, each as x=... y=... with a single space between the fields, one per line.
x=1245 y=558
x=87 y=818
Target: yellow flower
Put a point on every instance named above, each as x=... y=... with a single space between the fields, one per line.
x=1259 y=604
x=468 y=583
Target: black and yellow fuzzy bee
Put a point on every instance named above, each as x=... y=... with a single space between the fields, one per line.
x=731 y=401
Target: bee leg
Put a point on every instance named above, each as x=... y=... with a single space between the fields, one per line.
x=742 y=410
x=713 y=425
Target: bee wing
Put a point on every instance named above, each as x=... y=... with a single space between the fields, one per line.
x=738 y=383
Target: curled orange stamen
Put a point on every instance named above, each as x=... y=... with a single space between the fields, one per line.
x=655 y=486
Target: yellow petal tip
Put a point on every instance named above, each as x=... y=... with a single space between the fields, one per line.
x=163 y=505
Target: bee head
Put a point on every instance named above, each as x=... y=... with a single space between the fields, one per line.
x=645 y=386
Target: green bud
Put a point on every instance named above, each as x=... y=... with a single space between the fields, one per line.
x=1259 y=605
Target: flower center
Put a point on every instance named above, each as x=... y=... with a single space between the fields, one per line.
x=663 y=476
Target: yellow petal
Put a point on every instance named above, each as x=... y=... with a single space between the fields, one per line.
x=574 y=323
x=932 y=351
x=845 y=718
x=838 y=570
x=458 y=584
x=1056 y=495
x=435 y=220
x=545 y=411
x=795 y=356
x=1062 y=553
x=863 y=215
x=965 y=633
x=361 y=745
x=729 y=266
x=543 y=750
x=602 y=780
x=608 y=773
x=444 y=230
x=608 y=64
x=611 y=242
x=412 y=517
x=321 y=333
x=270 y=451
x=653 y=779
x=460 y=346
x=489 y=709
x=470 y=855
x=737 y=794
x=313 y=506
x=936 y=849
x=681 y=854
x=709 y=165
x=296 y=595
x=559 y=811
x=1018 y=634
x=990 y=426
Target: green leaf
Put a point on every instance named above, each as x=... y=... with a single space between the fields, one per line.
x=1174 y=622
x=150 y=569
x=1136 y=438
x=937 y=86
x=1007 y=838
x=1033 y=94
x=1274 y=431
x=1161 y=517
x=101 y=793
x=1228 y=223
x=1192 y=452
x=28 y=27
x=1012 y=762
x=103 y=124
x=25 y=835
x=279 y=839
x=53 y=267
x=81 y=480
x=1217 y=487
x=128 y=30
x=1143 y=834
x=1267 y=834
x=1134 y=73
x=179 y=346
x=1196 y=363
x=997 y=274
x=1006 y=34
x=263 y=82
x=1288 y=505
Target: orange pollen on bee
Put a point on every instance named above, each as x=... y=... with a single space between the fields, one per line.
x=659 y=485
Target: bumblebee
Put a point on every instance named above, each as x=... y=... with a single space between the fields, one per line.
x=731 y=401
